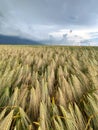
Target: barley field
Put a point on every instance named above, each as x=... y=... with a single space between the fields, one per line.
x=48 y=88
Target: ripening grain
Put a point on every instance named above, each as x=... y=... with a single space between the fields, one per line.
x=48 y=88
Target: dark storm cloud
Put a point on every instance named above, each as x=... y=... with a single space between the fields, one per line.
x=38 y=18
x=81 y=12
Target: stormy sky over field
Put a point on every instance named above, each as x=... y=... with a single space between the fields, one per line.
x=59 y=21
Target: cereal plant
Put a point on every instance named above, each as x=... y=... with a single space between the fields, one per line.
x=48 y=88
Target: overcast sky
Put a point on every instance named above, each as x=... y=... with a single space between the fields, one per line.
x=50 y=19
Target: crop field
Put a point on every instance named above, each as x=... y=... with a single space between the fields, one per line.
x=48 y=88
